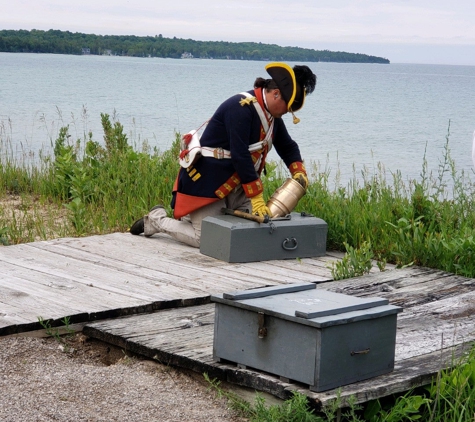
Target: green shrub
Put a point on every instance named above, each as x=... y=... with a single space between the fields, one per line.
x=105 y=186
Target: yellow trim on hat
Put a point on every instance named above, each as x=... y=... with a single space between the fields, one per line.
x=304 y=95
x=292 y=75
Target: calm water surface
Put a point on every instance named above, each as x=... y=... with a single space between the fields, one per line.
x=359 y=115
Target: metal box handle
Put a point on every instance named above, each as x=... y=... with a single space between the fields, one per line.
x=360 y=352
x=290 y=244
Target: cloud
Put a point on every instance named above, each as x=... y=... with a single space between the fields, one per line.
x=304 y=23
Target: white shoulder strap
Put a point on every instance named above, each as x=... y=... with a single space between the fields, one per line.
x=268 y=128
x=259 y=110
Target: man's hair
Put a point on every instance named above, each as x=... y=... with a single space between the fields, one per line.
x=267 y=84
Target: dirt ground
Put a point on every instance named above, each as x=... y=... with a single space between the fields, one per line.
x=35 y=220
x=42 y=379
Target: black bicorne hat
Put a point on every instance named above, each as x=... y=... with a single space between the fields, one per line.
x=294 y=84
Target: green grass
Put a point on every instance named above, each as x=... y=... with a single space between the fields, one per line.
x=102 y=187
x=450 y=398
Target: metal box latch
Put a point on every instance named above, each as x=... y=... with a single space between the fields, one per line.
x=262 y=331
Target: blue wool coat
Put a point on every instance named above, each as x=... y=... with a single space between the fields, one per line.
x=232 y=127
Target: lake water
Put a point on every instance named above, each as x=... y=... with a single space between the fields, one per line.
x=359 y=115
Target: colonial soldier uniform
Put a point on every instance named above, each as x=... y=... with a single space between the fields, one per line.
x=222 y=167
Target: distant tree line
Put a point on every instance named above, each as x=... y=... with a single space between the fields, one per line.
x=65 y=42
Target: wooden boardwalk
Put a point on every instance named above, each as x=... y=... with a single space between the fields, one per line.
x=119 y=274
x=151 y=296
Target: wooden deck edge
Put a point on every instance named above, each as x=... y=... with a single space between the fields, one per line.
x=85 y=317
x=408 y=374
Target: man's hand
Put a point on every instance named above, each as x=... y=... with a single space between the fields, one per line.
x=301 y=178
x=299 y=174
x=259 y=206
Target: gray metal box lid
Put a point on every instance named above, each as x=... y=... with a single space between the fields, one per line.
x=234 y=239
x=307 y=305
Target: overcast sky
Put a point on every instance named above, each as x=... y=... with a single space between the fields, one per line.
x=404 y=31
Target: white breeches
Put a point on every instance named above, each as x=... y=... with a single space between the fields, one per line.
x=188 y=229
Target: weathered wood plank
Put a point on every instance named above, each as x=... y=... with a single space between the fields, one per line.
x=195 y=280
x=29 y=306
x=436 y=325
x=23 y=279
x=74 y=271
x=158 y=269
x=298 y=271
x=125 y=274
x=311 y=265
x=194 y=256
x=119 y=259
x=270 y=275
x=11 y=315
x=88 y=290
x=203 y=266
x=174 y=267
x=428 y=339
x=30 y=296
x=407 y=287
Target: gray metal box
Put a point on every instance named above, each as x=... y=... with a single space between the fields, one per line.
x=235 y=239
x=313 y=336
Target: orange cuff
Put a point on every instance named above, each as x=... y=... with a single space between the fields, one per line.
x=297 y=167
x=253 y=188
